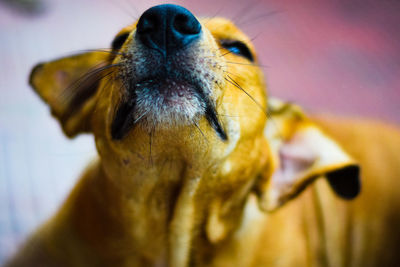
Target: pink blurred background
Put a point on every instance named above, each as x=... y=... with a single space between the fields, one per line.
x=329 y=56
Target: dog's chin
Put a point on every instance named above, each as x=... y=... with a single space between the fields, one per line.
x=155 y=103
x=168 y=103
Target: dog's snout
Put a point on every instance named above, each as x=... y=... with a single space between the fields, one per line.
x=168 y=28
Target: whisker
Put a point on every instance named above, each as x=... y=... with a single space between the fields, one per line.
x=227 y=53
x=140 y=117
x=255 y=37
x=244 y=11
x=82 y=95
x=108 y=66
x=215 y=52
x=67 y=95
x=126 y=88
x=266 y=111
x=233 y=74
x=102 y=50
x=85 y=77
x=259 y=17
x=233 y=82
x=89 y=77
x=151 y=144
x=107 y=84
x=230 y=116
x=133 y=8
x=93 y=71
x=214 y=15
x=201 y=132
x=247 y=64
x=126 y=10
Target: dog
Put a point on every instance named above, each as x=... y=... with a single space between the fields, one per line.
x=199 y=167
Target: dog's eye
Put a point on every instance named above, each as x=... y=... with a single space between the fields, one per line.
x=119 y=41
x=237 y=48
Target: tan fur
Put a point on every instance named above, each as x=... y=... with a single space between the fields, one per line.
x=319 y=229
x=195 y=200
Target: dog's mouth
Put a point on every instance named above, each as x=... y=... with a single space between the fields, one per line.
x=164 y=102
x=169 y=93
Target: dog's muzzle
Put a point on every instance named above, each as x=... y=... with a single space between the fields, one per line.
x=169 y=73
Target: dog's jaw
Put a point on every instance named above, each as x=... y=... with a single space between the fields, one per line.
x=167 y=103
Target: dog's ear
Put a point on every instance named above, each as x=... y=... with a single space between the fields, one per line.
x=69 y=85
x=300 y=153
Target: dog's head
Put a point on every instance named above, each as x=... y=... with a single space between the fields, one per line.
x=175 y=88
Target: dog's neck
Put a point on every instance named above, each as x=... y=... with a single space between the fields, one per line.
x=136 y=213
x=134 y=206
x=115 y=224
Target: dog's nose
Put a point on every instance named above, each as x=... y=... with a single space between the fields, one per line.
x=168 y=28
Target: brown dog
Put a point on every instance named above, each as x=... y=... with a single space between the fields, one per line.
x=194 y=160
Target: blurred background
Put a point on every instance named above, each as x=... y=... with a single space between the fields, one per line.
x=338 y=57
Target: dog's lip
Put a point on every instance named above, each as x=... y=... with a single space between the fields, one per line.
x=175 y=92
x=170 y=86
x=124 y=117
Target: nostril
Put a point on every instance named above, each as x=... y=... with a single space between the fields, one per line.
x=148 y=24
x=167 y=28
x=186 y=25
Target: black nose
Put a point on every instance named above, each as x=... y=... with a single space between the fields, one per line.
x=168 y=28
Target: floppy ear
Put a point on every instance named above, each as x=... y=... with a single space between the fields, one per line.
x=300 y=153
x=69 y=85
